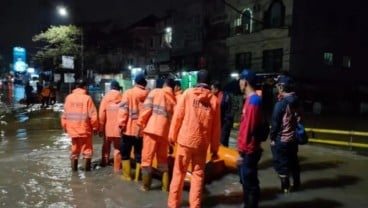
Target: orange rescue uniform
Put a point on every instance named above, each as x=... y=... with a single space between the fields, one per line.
x=178 y=93
x=195 y=125
x=155 y=119
x=109 y=126
x=79 y=120
x=128 y=114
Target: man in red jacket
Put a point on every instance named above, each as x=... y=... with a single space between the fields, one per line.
x=249 y=147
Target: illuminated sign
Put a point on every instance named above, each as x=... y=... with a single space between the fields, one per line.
x=19 y=59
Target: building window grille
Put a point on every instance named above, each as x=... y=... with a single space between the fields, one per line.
x=243 y=60
x=275 y=16
x=246 y=21
x=272 y=60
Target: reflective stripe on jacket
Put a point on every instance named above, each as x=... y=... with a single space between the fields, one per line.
x=108 y=113
x=129 y=108
x=157 y=112
x=196 y=120
x=80 y=115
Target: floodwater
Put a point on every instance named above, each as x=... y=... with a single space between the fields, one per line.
x=35 y=171
x=35 y=166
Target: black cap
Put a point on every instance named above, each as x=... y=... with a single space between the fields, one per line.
x=140 y=79
x=80 y=83
x=115 y=85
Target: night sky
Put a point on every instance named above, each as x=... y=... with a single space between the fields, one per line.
x=21 y=19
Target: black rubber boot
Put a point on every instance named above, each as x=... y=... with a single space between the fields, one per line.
x=252 y=201
x=74 y=164
x=87 y=164
x=296 y=181
x=285 y=184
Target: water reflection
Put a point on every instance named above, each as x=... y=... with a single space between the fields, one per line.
x=18 y=93
x=21 y=134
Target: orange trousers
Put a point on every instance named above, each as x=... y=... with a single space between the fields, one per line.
x=184 y=157
x=155 y=146
x=81 y=145
x=106 y=149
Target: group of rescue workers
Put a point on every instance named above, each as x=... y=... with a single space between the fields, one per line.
x=153 y=123
x=46 y=95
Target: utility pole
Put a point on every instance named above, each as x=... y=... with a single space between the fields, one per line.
x=82 y=53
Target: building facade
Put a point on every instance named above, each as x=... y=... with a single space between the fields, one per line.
x=259 y=35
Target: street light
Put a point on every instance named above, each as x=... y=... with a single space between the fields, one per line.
x=63 y=12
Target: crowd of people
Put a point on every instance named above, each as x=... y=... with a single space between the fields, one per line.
x=187 y=124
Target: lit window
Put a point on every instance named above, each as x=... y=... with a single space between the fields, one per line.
x=346 y=61
x=246 y=21
x=328 y=58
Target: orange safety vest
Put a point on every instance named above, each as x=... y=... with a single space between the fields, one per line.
x=80 y=115
x=129 y=108
x=157 y=111
x=107 y=113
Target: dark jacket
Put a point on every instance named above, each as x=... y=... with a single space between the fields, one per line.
x=227 y=114
x=285 y=115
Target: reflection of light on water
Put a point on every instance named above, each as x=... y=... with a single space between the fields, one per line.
x=18 y=92
x=21 y=134
x=63 y=141
x=22 y=117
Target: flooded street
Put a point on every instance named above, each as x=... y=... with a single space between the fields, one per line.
x=35 y=172
x=35 y=167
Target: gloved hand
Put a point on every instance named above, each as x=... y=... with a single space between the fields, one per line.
x=214 y=156
x=122 y=130
x=171 y=142
x=137 y=130
x=171 y=150
x=95 y=131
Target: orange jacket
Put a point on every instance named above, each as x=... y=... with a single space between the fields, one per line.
x=107 y=113
x=178 y=94
x=80 y=115
x=157 y=111
x=196 y=120
x=45 y=92
x=129 y=108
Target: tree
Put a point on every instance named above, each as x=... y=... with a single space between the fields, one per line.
x=56 y=42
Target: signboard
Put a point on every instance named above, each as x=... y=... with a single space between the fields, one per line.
x=19 y=59
x=165 y=68
x=67 y=62
x=69 y=78
x=189 y=80
x=57 y=77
